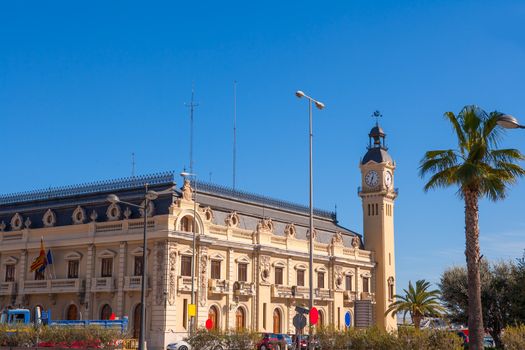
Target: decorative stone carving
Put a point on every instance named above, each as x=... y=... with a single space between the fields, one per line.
x=160 y=274
x=151 y=208
x=127 y=213
x=203 y=278
x=113 y=212
x=79 y=215
x=171 y=287
x=16 y=222
x=290 y=230
x=337 y=238
x=187 y=191
x=265 y=225
x=314 y=236
x=49 y=219
x=356 y=242
x=232 y=220
x=265 y=267
x=27 y=223
x=2 y=226
x=93 y=215
x=208 y=214
x=338 y=277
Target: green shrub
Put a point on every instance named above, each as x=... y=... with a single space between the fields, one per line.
x=514 y=338
x=376 y=339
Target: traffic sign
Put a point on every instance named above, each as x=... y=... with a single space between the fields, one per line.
x=348 y=319
x=314 y=316
x=299 y=321
x=209 y=324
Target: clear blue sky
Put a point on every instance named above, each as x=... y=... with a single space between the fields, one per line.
x=85 y=84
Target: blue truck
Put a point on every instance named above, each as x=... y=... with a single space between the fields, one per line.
x=23 y=316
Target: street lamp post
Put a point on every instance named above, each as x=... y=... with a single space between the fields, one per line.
x=193 y=227
x=319 y=105
x=148 y=197
x=509 y=122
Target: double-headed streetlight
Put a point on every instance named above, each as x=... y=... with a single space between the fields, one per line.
x=148 y=197
x=193 y=227
x=319 y=105
x=509 y=122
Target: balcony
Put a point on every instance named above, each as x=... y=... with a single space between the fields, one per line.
x=280 y=291
x=134 y=283
x=219 y=286
x=243 y=288
x=368 y=296
x=319 y=293
x=349 y=295
x=70 y=285
x=7 y=288
x=184 y=284
x=103 y=284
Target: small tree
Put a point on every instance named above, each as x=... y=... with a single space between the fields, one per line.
x=419 y=302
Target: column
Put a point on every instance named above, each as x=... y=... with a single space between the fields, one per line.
x=121 y=275
x=90 y=273
x=22 y=276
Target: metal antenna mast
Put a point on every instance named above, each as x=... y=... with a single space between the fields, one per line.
x=132 y=164
x=191 y=106
x=234 y=130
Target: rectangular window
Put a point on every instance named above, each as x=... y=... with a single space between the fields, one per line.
x=242 y=272
x=72 y=269
x=264 y=315
x=300 y=278
x=391 y=291
x=9 y=273
x=278 y=275
x=185 y=266
x=107 y=267
x=320 y=280
x=137 y=271
x=216 y=269
x=185 y=313
x=39 y=275
x=348 y=280
x=338 y=318
x=366 y=282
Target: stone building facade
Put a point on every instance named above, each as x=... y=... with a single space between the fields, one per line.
x=251 y=254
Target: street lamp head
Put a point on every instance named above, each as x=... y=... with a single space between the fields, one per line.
x=152 y=195
x=299 y=94
x=186 y=174
x=319 y=105
x=508 y=122
x=112 y=198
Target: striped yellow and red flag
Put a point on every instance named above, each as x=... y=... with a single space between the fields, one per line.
x=40 y=262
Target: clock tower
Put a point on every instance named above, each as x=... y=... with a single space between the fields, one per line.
x=378 y=194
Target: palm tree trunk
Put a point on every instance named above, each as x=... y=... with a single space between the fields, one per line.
x=475 y=316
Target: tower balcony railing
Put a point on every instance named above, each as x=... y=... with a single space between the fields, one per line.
x=360 y=189
x=7 y=288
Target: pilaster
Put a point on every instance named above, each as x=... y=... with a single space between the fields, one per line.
x=121 y=274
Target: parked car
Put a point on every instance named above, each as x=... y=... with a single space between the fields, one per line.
x=271 y=341
x=179 y=345
x=288 y=340
x=488 y=341
x=301 y=342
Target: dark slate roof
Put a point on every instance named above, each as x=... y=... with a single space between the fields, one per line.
x=378 y=155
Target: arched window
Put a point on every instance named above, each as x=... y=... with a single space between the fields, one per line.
x=136 y=321
x=213 y=315
x=240 y=319
x=186 y=224
x=105 y=312
x=276 y=321
x=72 y=312
x=320 y=321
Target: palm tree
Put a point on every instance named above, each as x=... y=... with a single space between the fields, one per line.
x=419 y=302
x=479 y=169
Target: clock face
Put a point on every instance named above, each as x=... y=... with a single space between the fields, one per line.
x=388 y=179
x=372 y=178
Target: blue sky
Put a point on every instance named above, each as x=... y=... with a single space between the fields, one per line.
x=85 y=84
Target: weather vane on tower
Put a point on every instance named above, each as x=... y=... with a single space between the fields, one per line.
x=377 y=115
